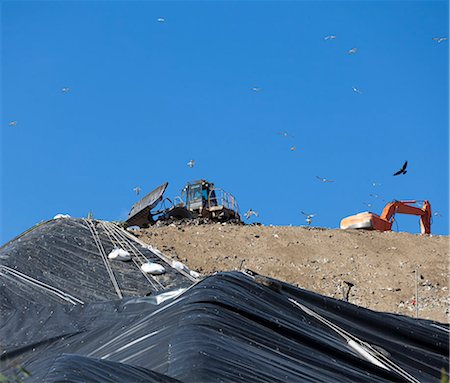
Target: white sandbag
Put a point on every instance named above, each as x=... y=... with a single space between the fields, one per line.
x=57 y=216
x=178 y=265
x=119 y=255
x=194 y=274
x=153 y=268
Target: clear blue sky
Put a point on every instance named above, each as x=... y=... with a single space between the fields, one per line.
x=146 y=97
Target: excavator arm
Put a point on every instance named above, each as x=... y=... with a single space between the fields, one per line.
x=384 y=222
x=404 y=207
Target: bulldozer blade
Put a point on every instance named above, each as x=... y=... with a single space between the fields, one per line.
x=140 y=212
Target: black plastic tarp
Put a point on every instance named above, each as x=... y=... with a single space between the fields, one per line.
x=66 y=260
x=229 y=327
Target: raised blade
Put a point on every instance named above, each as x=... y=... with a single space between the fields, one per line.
x=140 y=212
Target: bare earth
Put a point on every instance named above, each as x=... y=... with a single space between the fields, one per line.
x=380 y=265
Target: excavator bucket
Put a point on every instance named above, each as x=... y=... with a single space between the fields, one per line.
x=140 y=212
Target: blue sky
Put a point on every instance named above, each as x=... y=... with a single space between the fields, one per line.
x=146 y=97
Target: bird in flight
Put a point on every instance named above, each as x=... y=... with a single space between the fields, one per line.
x=356 y=90
x=137 y=190
x=249 y=213
x=331 y=37
x=160 y=19
x=402 y=170
x=324 y=179
x=191 y=163
x=440 y=39
x=12 y=123
x=309 y=217
x=377 y=197
x=352 y=51
x=65 y=90
x=256 y=89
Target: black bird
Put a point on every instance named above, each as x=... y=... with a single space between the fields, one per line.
x=402 y=170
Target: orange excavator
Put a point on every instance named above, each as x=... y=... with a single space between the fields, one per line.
x=371 y=221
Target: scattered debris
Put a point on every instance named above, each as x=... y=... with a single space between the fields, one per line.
x=346 y=287
x=191 y=163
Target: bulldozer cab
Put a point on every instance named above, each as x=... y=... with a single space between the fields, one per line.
x=199 y=195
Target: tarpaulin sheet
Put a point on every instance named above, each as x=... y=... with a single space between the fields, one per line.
x=230 y=327
x=66 y=260
x=62 y=318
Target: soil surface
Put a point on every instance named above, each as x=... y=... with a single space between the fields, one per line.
x=380 y=266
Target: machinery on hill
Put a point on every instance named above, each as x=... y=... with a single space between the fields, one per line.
x=201 y=199
x=371 y=221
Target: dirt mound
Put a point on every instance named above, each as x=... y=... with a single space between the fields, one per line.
x=380 y=266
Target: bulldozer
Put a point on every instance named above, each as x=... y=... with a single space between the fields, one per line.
x=372 y=221
x=198 y=199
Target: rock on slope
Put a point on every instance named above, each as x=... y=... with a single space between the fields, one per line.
x=381 y=266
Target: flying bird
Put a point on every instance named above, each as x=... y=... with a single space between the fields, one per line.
x=324 y=179
x=356 y=90
x=377 y=197
x=256 y=89
x=249 y=213
x=329 y=37
x=191 y=163
x=309 y=217
x=160 y=19
x=12 y=123
x=440 y=39
x=65 y=90
x=352 y=51
x=137 y=190
x=402 y=170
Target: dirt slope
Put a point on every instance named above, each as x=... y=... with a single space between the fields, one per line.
x=380 y=265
